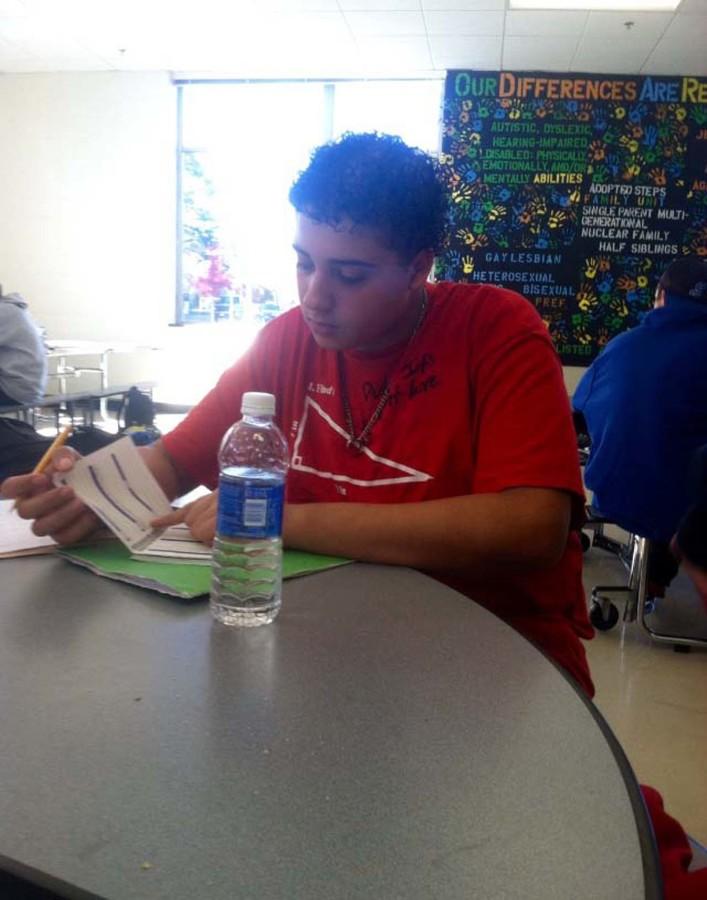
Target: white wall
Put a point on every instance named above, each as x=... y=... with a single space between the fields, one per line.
x=572 y=376
x=88 y=207
x=87 y=230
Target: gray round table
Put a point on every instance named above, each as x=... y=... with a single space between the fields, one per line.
x=384 y=738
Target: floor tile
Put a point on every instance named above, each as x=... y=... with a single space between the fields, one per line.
x=655 y=699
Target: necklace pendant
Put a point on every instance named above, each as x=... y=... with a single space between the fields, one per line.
x=356 y=444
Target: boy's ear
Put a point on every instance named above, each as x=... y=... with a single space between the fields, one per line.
x=420 y=267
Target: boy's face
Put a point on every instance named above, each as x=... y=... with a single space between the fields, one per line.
x=355 y=292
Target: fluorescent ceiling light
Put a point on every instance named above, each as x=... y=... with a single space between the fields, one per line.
x=612 y=5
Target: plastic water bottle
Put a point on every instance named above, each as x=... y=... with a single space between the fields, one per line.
x=246 y=584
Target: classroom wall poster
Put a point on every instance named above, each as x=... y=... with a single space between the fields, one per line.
x=576 y=191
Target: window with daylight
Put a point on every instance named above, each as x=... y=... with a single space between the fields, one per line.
x=241 y=147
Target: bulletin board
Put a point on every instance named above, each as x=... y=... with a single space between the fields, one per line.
x=576 y=191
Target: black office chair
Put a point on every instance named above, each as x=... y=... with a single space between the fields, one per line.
x=634 y=554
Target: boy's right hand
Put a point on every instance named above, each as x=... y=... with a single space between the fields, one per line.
x=56 y=511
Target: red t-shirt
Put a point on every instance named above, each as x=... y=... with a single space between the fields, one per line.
x=477 y=405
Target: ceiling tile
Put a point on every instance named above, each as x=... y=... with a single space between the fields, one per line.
x=545 y=22
x=60 y=64
x=305 y=25
x=284 y=59
x=42 y=43
x=285 y=5
x=693 y=6
x=201 y=39
x=304 y=37
x=612 y=24
x=611 y=57
x=451 y=5
x=397 y=53
x=458 y=23
x=279 y=46
x=73 y=12
x=11 y=54
x=678 y=56
x=380 y=5
x=540 y=53
x=32 y=28
x=67 y=9
x=217 y=11
x=466 y=52
x=687 y=27
x=384 y=23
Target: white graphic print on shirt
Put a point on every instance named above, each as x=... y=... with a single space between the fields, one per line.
x=313 y=420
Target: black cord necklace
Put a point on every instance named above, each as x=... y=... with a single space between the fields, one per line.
x=358 y=443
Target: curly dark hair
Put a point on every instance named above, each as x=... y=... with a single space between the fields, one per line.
x=376 y=181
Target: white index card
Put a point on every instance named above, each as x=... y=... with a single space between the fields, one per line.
x=117 y=485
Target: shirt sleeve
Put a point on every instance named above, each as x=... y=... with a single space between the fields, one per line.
x=525 y=435
x=23 y=360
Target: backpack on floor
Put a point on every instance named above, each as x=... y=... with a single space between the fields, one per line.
x=136 y=417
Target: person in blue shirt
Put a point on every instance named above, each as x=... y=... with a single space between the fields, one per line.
x=644 y=400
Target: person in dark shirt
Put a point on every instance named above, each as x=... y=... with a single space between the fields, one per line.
x=643 y=400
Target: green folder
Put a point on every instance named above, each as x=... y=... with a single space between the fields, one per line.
x=113 y=560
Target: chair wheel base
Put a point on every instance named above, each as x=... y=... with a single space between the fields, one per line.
x=603 y=614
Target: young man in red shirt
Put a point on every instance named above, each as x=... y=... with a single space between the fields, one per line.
x=428 y=424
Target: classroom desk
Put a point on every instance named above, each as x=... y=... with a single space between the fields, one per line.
x=65 y=371
x=385 y=738
x=63 y=351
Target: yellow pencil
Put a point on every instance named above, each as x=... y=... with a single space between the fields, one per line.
x=58 y=441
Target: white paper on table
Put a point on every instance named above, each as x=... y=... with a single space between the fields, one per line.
x=178 y=545
x=16 y=535
x=117 y=485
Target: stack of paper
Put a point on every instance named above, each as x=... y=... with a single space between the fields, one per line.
x=16 y=535
x=176 y=544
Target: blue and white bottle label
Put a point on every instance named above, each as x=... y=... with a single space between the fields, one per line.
x=250 y=510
